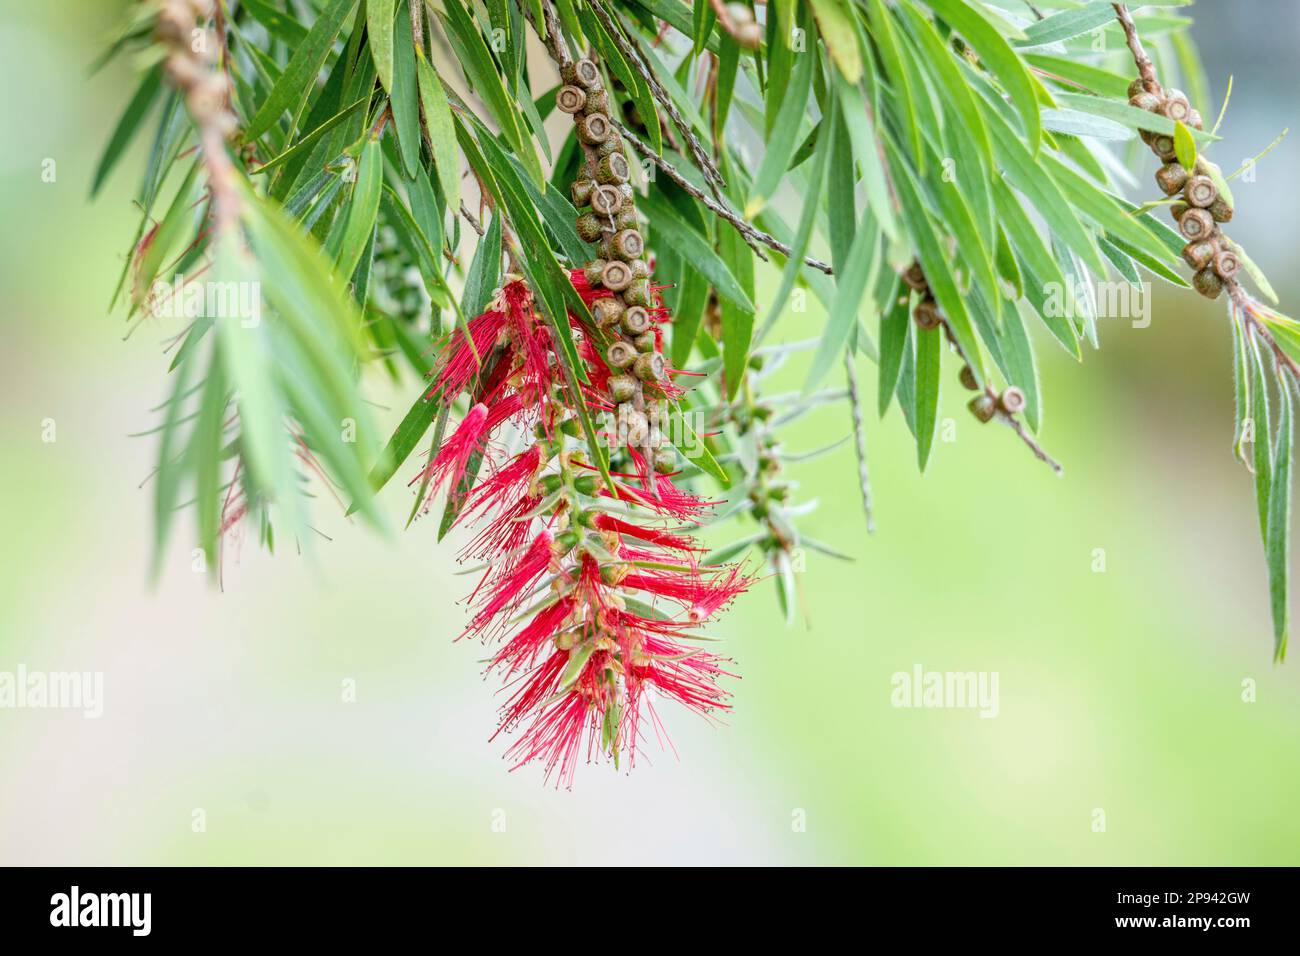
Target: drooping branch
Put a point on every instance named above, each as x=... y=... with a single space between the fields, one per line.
x=698 y=153
x=1146 y=68
x=746 y=229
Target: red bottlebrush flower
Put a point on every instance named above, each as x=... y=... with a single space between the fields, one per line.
x=464 y=361
x=665 y=539
x=557 y=735
x=522 y=649
x=700 y=595
x=506 y=484
x=453 y=457
x=508 y=586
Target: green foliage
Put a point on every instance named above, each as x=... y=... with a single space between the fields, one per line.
x=979 y=140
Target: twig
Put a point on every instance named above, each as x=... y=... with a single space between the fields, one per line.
x=469 y=217
x=633 y=53
x=1005 y=417
x=1018 y=427
x=1146 y=68
x=859 y=440
x=746 y=229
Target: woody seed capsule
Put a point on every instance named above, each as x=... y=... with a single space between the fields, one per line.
x=646 y=341
x=597 y=102
x=626 y=217
x=1226 y=264
x=1198 y=255
x=1195 y=122
x=640 y=270
x=1171 y=177
x=627 y=244
x=581 y=191
x=1208 y=284
x=620 y=355
x=1221 y=210
x=927 y=315
x=617 y=276
x=635 y=320
x=1176 y=106
x=637 y=293
x=1164 y=147
x=1137 y=86
x=586 y=74
x=968 y=378
x=593 y=128
x=606 y=311
x=1012 y=400
x=1201 y=191
x=649 y=367
x=593 y=270
x=622 y=388
x=590 y=228
x=571 y=99
x=1145 y=101
x=613 y=169
x=983 y=407
x=613 y=143
x=1196 y=224
x=1177 y=210
x=606 y=200
x=915 y=277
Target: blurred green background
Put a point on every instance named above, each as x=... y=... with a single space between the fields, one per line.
x=1119 y=691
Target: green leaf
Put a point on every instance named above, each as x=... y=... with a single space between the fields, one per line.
x=362 y=210
x=784 y=137
x=737 y=322
x=867 y=152
x=840 y=33
x=405 y=99
x=1067 y=24
x=290 y=91
x=862 y=266
x=1185 y=146
x=997 y=54
x=127 y=125
x=442 y=131
x=308 y=141
x=692 y=447
x=205 y=451
x=1278 y=542
x=477 y=63
x=669 y=227
x=894 y=325
x=404 y=439
x=934 y=260
x=929 y=352
x=1255 y=272
x=379 y=24
x=1262 y=453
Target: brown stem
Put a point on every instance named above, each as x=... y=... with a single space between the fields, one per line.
x=746 y=229
x=633 y=53
x=1146 y=68
x=859 y=440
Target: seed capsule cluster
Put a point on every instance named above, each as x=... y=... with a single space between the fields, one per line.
x=1201 y=208
x=988 y=403
x=607 y=218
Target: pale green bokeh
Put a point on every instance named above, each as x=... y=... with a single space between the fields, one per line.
x=1119 y=690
